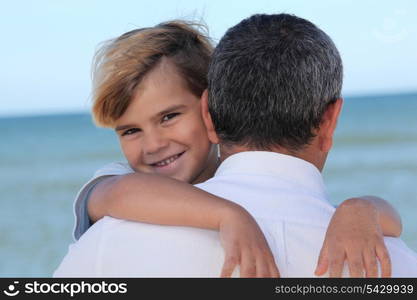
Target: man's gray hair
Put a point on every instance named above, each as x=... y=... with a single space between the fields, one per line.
x=270 y=79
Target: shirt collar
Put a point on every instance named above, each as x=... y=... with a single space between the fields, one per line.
x=274 y=164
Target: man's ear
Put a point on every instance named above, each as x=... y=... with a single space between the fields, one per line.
x=328 y=124
x=211 y=133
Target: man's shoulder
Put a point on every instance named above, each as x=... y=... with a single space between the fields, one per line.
x=148 y=250
x=114 y=228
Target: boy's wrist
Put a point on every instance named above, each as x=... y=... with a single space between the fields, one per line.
x=362 y=204
x=231 y=212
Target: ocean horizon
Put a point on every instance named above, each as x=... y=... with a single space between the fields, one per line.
x=45 y=160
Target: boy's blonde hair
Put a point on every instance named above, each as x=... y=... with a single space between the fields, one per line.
x=121 y=63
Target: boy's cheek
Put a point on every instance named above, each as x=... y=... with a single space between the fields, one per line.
x=128 y=152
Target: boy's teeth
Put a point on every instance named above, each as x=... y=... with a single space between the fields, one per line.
x=167 y=161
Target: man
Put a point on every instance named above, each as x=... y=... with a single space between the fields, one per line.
x=273 y=102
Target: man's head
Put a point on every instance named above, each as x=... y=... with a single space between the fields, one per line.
x=270 y=82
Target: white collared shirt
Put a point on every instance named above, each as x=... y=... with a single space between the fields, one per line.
x=285 y=195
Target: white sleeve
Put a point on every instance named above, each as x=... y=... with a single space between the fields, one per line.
x=82 y=221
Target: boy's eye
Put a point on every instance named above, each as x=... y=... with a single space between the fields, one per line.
x=169 y=116
x=130 y=131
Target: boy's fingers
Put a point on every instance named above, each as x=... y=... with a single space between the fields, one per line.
x=384 y=259
x=247 y=266
x=323 y=261
x=229 y=266
x=336 y=262
x=355 y=262
x=262 y=268
x=271 y=265
x=273 y=269
x=371 y=264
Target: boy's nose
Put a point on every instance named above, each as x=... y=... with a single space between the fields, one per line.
x=153 y=143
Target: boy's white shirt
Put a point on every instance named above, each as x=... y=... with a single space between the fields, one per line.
x=82 y=221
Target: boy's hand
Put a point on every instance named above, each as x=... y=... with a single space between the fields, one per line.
x=245 y=245
x=354 y=234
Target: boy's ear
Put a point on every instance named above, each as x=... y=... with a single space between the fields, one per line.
x=211 y=133
x=328 y=124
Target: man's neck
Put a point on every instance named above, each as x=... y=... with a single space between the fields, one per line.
x=309 y=153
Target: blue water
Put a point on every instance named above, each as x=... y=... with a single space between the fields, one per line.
x=44 y=160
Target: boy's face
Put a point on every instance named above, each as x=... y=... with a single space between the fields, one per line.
x=162 y=130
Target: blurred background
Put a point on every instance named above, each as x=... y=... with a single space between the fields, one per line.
x=50 y=146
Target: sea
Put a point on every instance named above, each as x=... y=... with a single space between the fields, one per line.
x=44 y=160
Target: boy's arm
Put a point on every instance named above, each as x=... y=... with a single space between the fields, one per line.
x=356 y=233
x=162 y=200
x=156 y=199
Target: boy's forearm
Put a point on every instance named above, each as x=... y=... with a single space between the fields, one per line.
x=158 y=200
x=388 y=218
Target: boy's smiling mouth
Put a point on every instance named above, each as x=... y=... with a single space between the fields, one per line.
x=167 y=161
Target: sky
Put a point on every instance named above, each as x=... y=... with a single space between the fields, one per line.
x=47 y=46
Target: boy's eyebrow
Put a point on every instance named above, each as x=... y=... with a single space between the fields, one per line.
x=171 y=108
x=123 y=127
x=165 y=111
